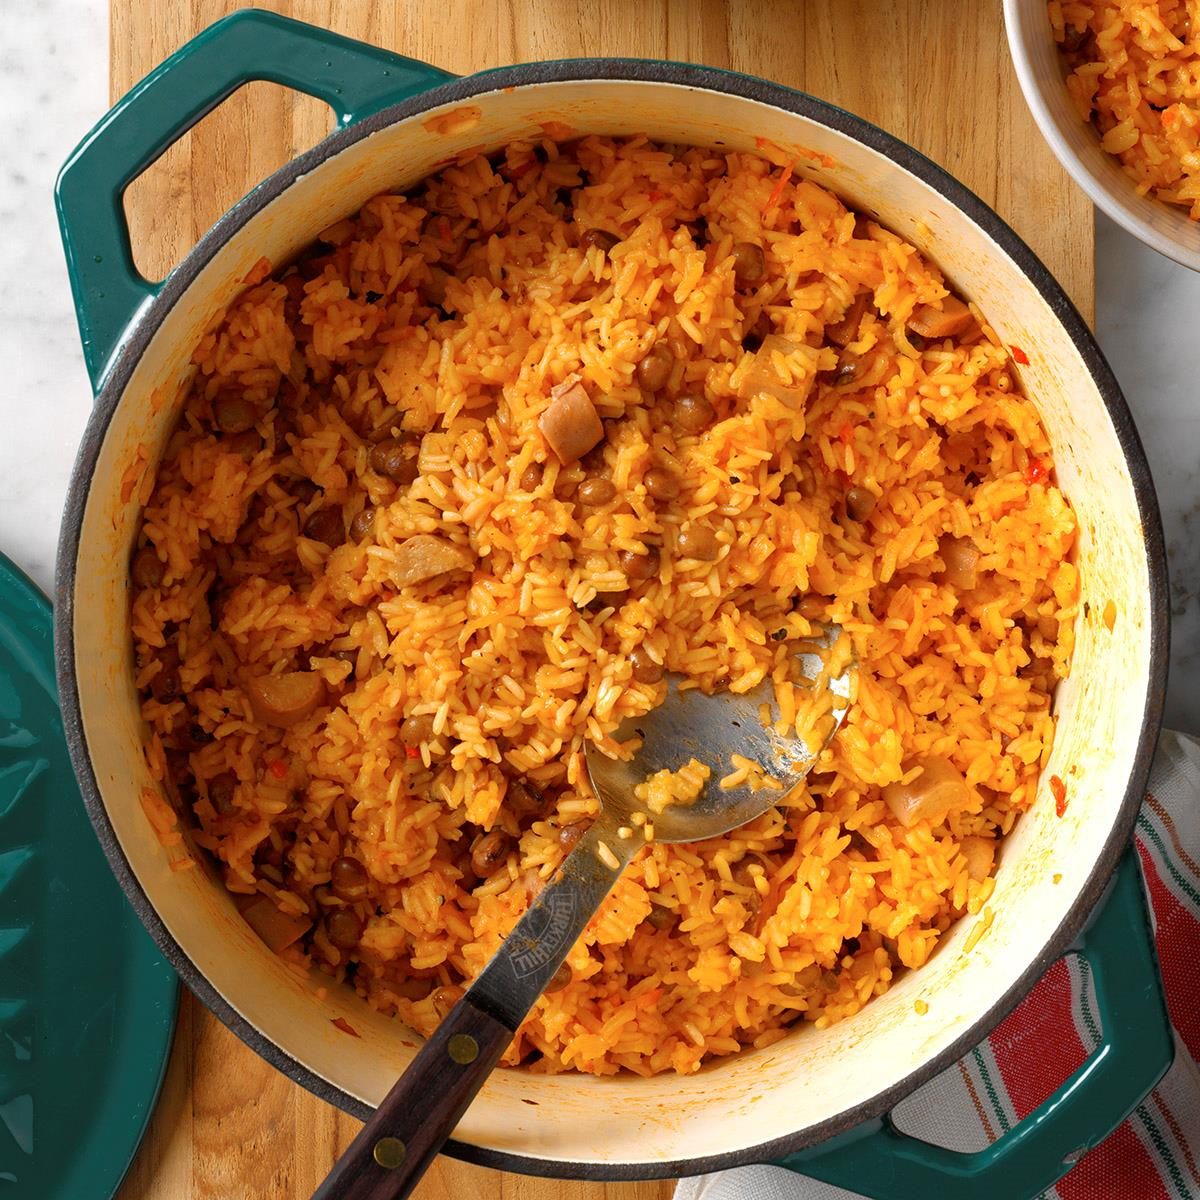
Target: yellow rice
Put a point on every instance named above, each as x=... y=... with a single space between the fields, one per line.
x=1135 y=74
x=750 y=773
x=808 y=911
x=664 y=788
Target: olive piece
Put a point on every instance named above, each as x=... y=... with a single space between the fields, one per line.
x=445 y=998
x=303 y=489
x=344 y=928
x=662 y=483
x=148 y=569
x=569 y=835
x=417 y=729
x=560 y=978
x=698 y=541
x=860 y=503
x=193 y=737
x=414 y=988
x=811 y=608
x=325 y=525
x=524 y=799
x=220 y=792
x=694 y=413
x=348 y=878
x=395 y=459
x=165 y=686
x=749 y=264
x=603 y=600
x=640 y=566
x=654 y=368
x=849 y=368
x=531 y=477
x=245 y=444
x=961 y=556
x=232 y=412
x=660 y=917
x=361 y=526
x=645 y=669
x=488 y=851
x=594 y=492
x=600 y=238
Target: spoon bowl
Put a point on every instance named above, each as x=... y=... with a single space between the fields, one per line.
x=711 y=729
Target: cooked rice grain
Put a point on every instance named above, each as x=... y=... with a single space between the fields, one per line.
x=1134 y=75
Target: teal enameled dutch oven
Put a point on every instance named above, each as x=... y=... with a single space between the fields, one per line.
x=819 y=1100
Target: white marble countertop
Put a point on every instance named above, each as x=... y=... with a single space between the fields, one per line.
x=53 y=82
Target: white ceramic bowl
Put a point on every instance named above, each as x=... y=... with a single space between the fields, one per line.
x=1040 y=71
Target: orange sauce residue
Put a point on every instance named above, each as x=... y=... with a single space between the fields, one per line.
x=258 y=272
x=1059 y=790
x=1110 y=616
x=345 y=1026
x=1037 y=470
x=777 y=190
x=782 y=158
x=556 y=131
x=457 y=120
x=161 y=816
x=133 y=473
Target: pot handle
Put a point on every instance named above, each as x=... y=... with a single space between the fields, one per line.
x=354 y=78
x=1135 y=1050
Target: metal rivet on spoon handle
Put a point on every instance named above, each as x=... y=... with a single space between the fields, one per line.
x=397 y=1144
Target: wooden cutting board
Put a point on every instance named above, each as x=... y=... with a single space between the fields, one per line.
x=936 y=74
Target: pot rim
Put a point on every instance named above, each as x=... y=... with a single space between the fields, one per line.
x=712 y=80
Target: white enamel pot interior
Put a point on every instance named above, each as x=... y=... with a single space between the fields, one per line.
x=759 y=1104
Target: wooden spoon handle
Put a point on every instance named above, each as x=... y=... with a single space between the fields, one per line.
x=396 y=1146
x=398 y=1143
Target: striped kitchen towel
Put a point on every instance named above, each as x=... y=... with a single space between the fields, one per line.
x=1155 y=1154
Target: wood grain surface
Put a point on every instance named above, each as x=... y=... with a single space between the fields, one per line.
x=934 y=72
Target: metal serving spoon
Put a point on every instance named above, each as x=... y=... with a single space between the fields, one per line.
x=398 y=1143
